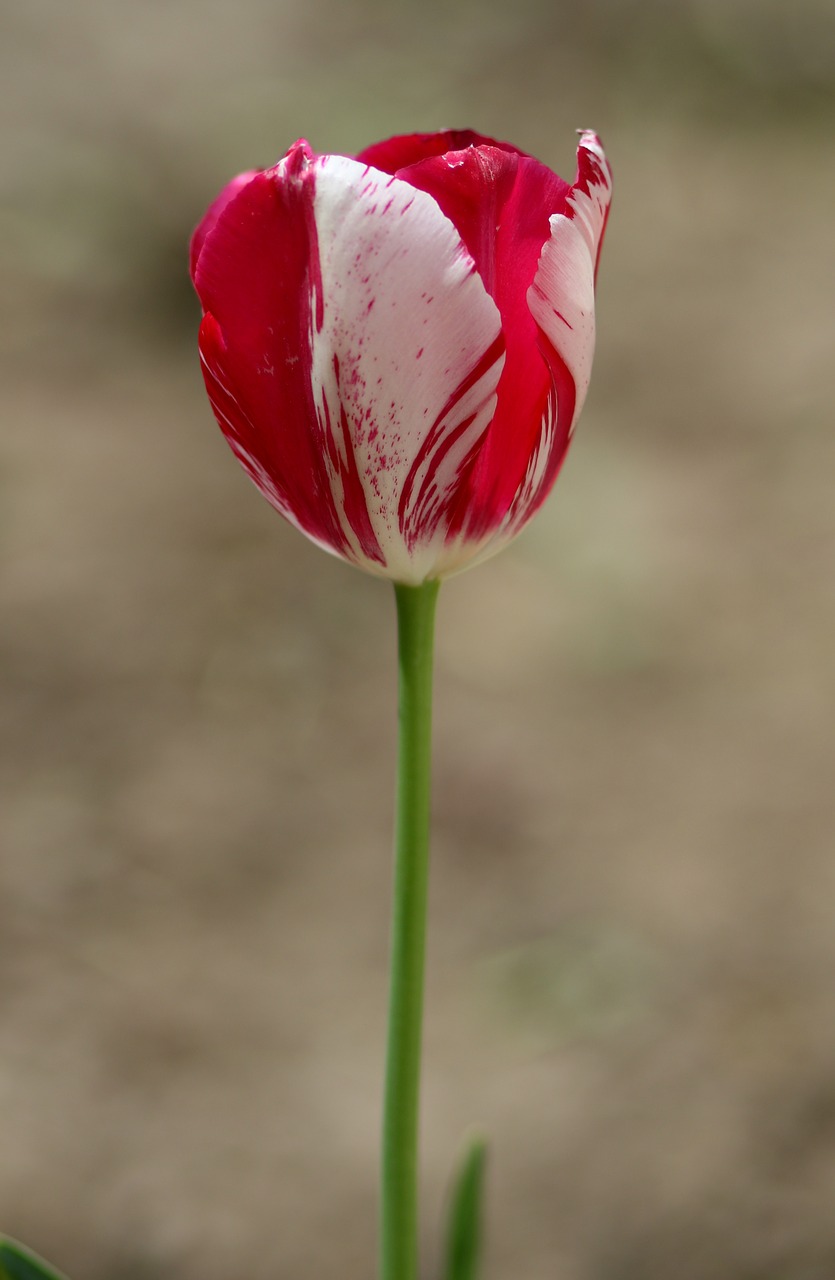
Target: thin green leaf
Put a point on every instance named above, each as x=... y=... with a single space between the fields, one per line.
x=17 y=1263
x=463 y=1252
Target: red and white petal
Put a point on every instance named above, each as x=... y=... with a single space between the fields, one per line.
x=501 y=203
x=592 y=191
x=253 y=280
x=561 y=301
x=408 y=349
x=561 y=297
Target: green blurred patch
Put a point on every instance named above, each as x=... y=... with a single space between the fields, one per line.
x=586 y=981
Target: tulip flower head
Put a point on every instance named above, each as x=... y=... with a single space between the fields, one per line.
x=397 y=346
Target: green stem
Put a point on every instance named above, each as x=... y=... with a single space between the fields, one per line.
x=399 y=1225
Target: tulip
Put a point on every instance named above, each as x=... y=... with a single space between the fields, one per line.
x=397 y=346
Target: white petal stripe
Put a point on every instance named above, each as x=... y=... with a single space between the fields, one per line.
x=561 y=298
x=405 y=323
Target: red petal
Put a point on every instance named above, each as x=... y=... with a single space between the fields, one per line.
x=212 y=214
x=500 y=202
x=257 y=279
x=397 y=153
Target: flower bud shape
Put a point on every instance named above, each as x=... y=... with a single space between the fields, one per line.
x=397 y=345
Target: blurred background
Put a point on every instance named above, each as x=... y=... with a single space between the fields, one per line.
x=631 y=982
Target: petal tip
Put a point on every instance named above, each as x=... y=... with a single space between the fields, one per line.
x=298 y=158
x=591 y=144
x=592 y=188
x=592 y=162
